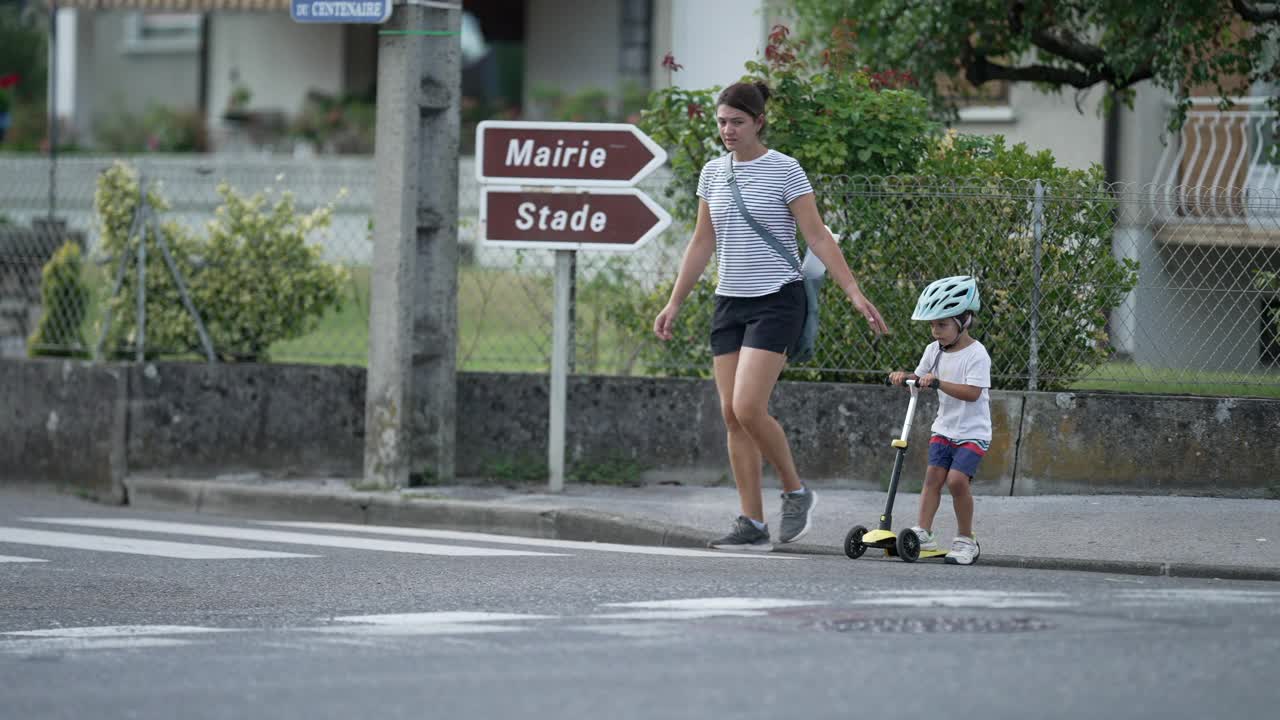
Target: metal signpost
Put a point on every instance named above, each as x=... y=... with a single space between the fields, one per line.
x=565 y=187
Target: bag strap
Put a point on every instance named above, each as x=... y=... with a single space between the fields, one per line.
x=764 y=234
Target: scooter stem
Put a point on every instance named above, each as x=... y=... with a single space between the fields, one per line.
x=911 y=409
x=886 y=519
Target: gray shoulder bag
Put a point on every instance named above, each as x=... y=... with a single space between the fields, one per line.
x=802 y=351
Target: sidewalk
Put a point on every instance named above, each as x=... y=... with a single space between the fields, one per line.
x=1145 y=535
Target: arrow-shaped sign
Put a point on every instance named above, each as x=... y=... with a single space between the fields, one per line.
x=604 y=219
x=566 y=154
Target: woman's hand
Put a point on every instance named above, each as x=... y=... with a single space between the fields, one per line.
x=869 y=311
x=665 y=322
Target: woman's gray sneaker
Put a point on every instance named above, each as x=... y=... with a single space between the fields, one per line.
x=797 y=515
x=745 y=536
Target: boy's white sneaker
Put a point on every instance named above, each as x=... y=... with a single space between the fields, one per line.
x=927 y=539
x=964 y=551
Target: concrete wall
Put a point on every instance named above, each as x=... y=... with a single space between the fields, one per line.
x=64 y=424
x=78 y=424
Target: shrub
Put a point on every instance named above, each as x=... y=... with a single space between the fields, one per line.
x=832 y=118
x=168 y=327
x=927 y=206
x=159 y=129
x=972 y=213
x=64 y=299
x=263 y=282
x=254 y=280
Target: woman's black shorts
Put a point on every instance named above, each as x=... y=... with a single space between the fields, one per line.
x=770 y=322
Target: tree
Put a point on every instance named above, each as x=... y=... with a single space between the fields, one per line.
x=23 y=49
x=1061 y=44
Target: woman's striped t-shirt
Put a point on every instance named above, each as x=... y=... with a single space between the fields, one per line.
x=748 y=267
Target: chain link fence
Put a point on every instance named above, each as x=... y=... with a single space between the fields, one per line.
x=1126 y=288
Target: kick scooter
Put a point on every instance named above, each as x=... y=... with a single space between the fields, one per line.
x=905 y=544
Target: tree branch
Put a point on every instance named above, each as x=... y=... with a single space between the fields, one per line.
x=1255 y=14
x=1063 y=44
x=978 y=69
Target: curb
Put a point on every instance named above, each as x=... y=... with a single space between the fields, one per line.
x=371 y=508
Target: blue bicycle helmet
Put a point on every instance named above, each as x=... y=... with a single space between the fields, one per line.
x=948 y=297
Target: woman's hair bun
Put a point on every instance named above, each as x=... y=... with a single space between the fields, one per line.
x=764 y=89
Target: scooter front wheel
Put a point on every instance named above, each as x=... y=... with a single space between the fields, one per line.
x=853 y=546
x=908 y=546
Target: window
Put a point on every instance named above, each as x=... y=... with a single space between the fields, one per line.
x=987 y=103
x=162 y=32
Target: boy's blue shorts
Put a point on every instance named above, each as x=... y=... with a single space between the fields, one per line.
x=946 y=453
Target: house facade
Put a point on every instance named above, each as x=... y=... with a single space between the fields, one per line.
x=1198 y=252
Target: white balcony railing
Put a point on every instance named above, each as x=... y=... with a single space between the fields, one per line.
x=1219 y=167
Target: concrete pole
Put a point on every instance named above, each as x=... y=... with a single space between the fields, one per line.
x=410 y=401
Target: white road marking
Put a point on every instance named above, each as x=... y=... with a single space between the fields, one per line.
x=134 y=546
x=992 y=599
x=288 y=538
x=16 y=559
x=426 y=623
x=677 y=614
x=414 y=630
x=105 y=631
x=954 y=602
x=45 y=645
x=536 y=542
x=443 y=617
x=720 y=603
x=1200 y=595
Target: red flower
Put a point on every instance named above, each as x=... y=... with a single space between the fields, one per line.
x=8 y=81
x=778 y=34
x=695 y=110
x=669 y=62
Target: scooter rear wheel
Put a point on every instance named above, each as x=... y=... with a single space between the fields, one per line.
x=853 y=546
x=908 y=546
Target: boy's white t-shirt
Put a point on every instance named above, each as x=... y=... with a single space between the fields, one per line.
x=958 y=419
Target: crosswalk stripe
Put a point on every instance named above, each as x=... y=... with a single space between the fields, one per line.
x=44 y=645
x=442 y=617
x=535 y=542
x=677 y=614
x=277 y=536
x=16 y=559
x=1199 y=595
x=134 y=546
x=718 y=603
x=990 y=599
x=397 y=631
x=105 y=631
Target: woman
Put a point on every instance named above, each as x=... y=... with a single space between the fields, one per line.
x=760 y=304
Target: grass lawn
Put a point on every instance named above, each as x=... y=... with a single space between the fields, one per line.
x=504 y=318
x=1127 y=377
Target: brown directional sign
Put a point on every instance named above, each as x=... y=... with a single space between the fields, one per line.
x=567 y=154
x=601 y=219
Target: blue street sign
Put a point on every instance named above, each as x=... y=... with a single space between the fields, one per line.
x=340 y=11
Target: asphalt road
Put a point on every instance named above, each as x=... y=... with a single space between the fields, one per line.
x=114 y=613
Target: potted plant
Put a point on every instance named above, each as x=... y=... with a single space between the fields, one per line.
x=237 y=109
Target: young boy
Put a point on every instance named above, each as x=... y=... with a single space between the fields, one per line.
x=959 y=368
